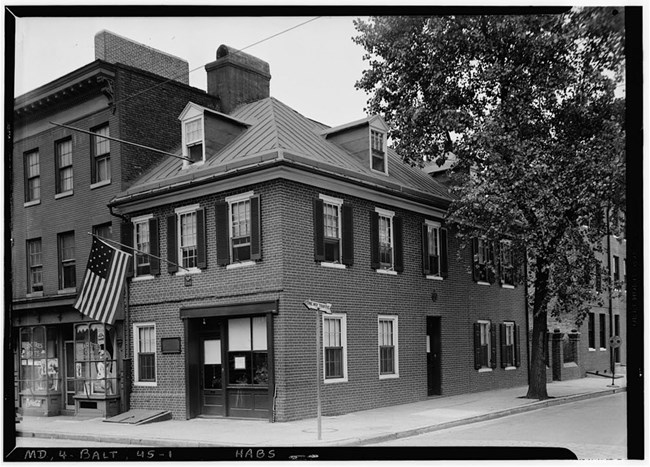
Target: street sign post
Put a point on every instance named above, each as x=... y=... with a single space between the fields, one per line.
x=325 y=308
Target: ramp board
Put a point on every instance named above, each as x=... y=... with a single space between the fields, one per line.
x=140 y=417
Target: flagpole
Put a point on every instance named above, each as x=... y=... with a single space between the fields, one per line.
x=137 y=251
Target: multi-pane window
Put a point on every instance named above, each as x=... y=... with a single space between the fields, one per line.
x=64 y=166
x=39 y=362
x=67 y=263
x=332 y=231
x=482 y=260
x=386 y=241
x=377 y=153
x=602 y=330
x=95 y=359
x=101 y=155
x=142 y=247
x=591 y=324
x=187 y=239
x=32 y=176
x=194 y=139
x=388 y=346
x=35 y=262
x=334 y=343
x=507 y=264
x=485 y=344
x=104 y=231
x=144 y=337
x=508 y=344
x=616 y=268
x=240 y=235
x=248 y=356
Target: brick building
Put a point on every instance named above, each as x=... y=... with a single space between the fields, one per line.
x=271 y=210
x=62 y=181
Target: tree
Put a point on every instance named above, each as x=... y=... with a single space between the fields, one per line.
x=528 y=105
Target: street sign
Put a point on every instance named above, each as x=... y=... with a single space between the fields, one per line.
x=324 y=307
x=615 y=342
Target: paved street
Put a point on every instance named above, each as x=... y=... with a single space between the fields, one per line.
x=592 y=429
x=22 y=442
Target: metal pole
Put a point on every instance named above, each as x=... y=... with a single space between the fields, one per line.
x=318 y=407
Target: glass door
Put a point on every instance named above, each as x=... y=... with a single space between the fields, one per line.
x=69 y=375
x=212 y=377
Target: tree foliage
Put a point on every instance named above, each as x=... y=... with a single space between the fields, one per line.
x=528 y=106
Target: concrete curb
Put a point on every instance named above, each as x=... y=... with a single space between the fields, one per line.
x=356 y=441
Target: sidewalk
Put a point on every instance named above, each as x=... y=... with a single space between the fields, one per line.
x=354 y=429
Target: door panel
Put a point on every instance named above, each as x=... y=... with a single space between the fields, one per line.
x=434 y=370
x=212 y=378
x=69 y=375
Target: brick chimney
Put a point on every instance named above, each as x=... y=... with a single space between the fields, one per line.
x=237 y=78
x=117 y=49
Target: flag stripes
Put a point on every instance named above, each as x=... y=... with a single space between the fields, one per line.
x=103 y=282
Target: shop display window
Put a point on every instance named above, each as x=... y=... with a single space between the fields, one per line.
x=39 y=360
x=94 y=359
x=247 y=351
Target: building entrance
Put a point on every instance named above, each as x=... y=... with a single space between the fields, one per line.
x=434 y=371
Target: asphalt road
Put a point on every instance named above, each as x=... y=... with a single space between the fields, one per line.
x=591 y=429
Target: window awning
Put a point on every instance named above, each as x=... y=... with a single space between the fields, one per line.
x=239 y=309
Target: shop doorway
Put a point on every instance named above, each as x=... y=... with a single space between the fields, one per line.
x=69 y=376
x=434 y=370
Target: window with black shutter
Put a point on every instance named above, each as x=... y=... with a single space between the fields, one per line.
x=434 y=250
x=239 y=229
x=484 y=345
x=386 y=239
x=333 y=231
x=482 y=261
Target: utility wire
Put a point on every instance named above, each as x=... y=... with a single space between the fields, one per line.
x=202 y=66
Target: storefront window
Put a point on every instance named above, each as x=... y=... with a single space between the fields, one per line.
x=39 y=362
x=95 y=364
x=247 y=351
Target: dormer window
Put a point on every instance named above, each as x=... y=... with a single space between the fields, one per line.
x=193 y=137
x=377 y=152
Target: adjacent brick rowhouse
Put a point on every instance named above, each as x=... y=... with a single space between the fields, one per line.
x=288 y=273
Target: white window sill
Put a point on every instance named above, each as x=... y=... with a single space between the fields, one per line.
x=484 y=370
x=145 y=384
x=335 y=380
x=243 y=264
x=435 y=278
x=395 y=376
x=508 y=368
x=185 y=272
x=333 y=265
x=591 y=349
x=32 y=203
x=34 y=294
x=144 y=277
x=387 y=271
x=378 y=172
x=100 y=184
x=65 y=194
x=483 y=283
x=602 y=349
x=67 y=291
x=188 y=164
x=507 y=286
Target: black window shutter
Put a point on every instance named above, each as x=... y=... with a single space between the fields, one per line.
x=154 y=247
x=477 y=346
x=126 y=237
x=201 y=255
x=319 y=234
x=502 y=334
x=93 y=169
x=425 y=249
x=517 y=348
x=223 y=239
x=475 y=274
x=374 y=240
x=398 y=245
x=493 y=346
x=347 y=232
x=256 y=229
x=172 y=254
x=444 y=261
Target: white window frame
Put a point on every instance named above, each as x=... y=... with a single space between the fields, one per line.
x=136 y=353
x=390 y=215
x=179 y=252
x=510 y=335
x=26 y=156
x=395 y=321
x=186 y=155
x=435 y=225
x=31 y=267
x=488 y=333
x=344 y=344
x=384 y=149
x=59 y=169
x=338 y=203
x=106 y=181
x=505 y=285
x=136 y=221
x=234 y=199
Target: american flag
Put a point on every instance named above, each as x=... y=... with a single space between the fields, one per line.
x=102 y=286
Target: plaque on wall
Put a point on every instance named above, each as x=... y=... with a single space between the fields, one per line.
x=170 y=345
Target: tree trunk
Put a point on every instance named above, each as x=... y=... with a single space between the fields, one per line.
x=537 y=382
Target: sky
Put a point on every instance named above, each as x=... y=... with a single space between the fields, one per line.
x=314 y=67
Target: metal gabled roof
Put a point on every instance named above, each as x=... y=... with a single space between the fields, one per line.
x=276 y=129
